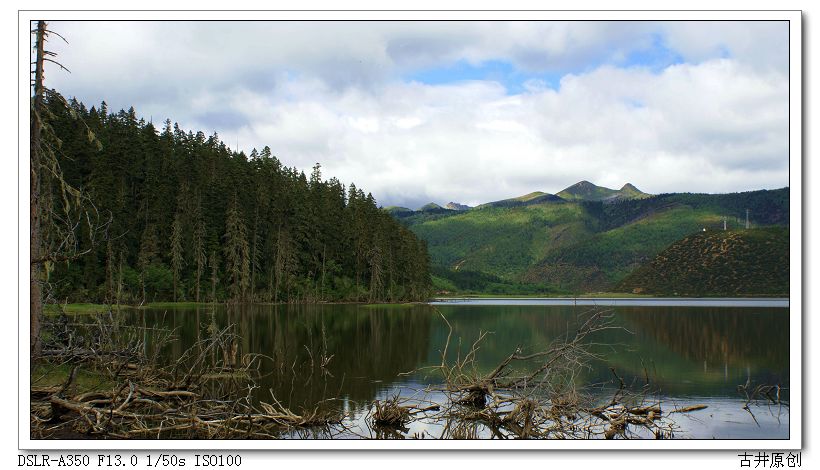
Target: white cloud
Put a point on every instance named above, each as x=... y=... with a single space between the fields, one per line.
x=714 y=127
x=333 y=93
x=762 y=44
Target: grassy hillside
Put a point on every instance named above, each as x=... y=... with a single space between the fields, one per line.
x=599 y=261
x=579 y=246
x=447 y=281
x=718 y=263
x=502 y=241
x=766 y=207
x=530 y=199
x=397 y=211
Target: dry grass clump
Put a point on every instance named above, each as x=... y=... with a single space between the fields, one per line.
x=390 y=413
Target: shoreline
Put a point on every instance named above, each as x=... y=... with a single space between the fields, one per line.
x=772 y=302
x=612 y=301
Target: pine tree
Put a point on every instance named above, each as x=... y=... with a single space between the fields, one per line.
x=149 y=248
x=177 y=259
x=285 y=265
x=109 y=273
x=237 y=259
x=376 y=272
x=254 y=253
x=200 y=260
x=214 y=261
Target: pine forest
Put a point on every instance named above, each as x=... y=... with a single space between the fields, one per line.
x=179 y=216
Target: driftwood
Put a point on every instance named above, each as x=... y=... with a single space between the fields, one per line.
x=687 y=409
x=148 y=398
x=536 y=394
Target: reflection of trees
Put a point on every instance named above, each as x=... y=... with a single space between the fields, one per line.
x=528 y=327
x=683 y=350
x=365 y=347
x=731 y=335
x=370 y=344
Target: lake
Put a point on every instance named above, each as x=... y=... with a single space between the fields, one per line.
x=679 y=353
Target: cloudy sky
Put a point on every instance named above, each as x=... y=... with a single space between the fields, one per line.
x=461 y=111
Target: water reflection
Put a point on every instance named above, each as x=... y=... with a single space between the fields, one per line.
x=311 y=353
x=709 y=351
x=352 y=354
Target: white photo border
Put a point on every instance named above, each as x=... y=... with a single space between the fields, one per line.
x=796 y=263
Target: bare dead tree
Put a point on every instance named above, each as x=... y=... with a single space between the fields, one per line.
x=34 y=190
x=57 y=209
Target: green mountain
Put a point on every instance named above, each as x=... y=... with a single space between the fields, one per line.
x=530 y=196
x=586 y=191
x=579 y=245
x=502 y=241
x=431 y=207
x=628 y=191
x=536 y=197
x=723 y=263
x=397 y=210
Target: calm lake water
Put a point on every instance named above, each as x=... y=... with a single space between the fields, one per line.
x=692 y=353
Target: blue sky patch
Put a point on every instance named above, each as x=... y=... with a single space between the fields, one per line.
x=503 y=72
x=656 y=58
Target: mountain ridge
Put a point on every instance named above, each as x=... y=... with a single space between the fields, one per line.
x=580 y=191
x=586 y=191
x=581 y=245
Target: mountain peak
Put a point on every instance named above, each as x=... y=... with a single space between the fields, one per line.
x=583 y=184
x=586 y=191
x=430 y=207
x=629 y=191
x=455 y=206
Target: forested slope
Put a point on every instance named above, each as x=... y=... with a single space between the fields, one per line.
x=184 y=217
x=750 y=262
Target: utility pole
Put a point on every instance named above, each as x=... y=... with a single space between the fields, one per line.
x=747 y=219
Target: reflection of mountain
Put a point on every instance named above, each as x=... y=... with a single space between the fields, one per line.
x=734 y=335
x=706 y=351
x=686 y=351
x=369 y=346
